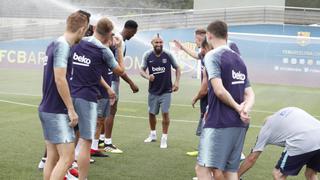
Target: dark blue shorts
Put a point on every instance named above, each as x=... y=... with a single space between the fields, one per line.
x=291 y=165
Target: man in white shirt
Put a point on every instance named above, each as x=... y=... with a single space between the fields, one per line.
x=298 y=132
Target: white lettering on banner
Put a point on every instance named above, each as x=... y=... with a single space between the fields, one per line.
x=129 y=62
x=132 y=63
x=21 y=57
x=82 y=60
x=10 y=55
x=42 y=57
x=2 y=54
x=32 y=58
x=158 y=70
x=45 y=60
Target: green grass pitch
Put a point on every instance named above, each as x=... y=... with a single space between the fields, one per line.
x=22 y=145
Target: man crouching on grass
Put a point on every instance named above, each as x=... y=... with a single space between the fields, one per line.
x=299 y=133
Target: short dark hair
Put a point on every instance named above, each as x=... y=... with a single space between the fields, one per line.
x=219 y=29
x=200 y=31
x=88 y=15
x=131 y=24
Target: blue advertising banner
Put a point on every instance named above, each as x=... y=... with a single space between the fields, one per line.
x=290 y=56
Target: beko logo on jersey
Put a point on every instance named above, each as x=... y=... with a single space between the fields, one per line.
x=158 y=70
x=240 y=77
x=81 y=60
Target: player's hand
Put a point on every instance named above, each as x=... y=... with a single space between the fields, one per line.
x=151 y=77
x=112 y=100
x=178 y=44
x=111 y=93
x=73 y=117
x=194 y=101
x=239 y=107
x=112 y=96
x=175 y=87
x=117 y=41
x=134 y=88
x=244 y=115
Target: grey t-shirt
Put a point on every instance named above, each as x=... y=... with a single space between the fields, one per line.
x=292 y=128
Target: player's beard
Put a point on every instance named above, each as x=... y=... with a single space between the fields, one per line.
x=157 y=49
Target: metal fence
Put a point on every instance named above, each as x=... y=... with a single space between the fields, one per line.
x=238 y=15
x=182 y=19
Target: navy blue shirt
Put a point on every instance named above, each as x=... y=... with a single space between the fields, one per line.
x=234 y=47
x=204 y=100
x=160 y=67
x=90 y=59
x=57 y=55
x=227 y=65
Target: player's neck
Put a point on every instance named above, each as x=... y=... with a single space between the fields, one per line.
x=157 y=54
x=70 y=37
x=122 y=34
x=219 y=42
x=102 y=39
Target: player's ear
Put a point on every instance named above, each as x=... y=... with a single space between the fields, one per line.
x=208 y=36
x=82 y=30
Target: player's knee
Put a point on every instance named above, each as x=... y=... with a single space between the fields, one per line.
x=310 y=174
x=276 y=174
x=166 y=120
x=217 y=174
x=198 y=169
x=100 y=120
x=67 y=160
x=165 y=116
x=113 y=110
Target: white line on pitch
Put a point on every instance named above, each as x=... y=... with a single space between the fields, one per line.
x=120 y=115
x=141 y=102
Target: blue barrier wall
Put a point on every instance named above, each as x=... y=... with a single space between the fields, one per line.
x=274 y=54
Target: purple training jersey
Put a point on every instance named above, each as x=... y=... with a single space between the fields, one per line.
x=227 y=65
x=160 y=67
x=90 y=59
x=57 y=55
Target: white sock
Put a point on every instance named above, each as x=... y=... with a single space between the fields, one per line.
x=94 y=144
x=108 y=141
x=165 y=136
x=102 y=137
x=77 y=151
x=154 y=133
